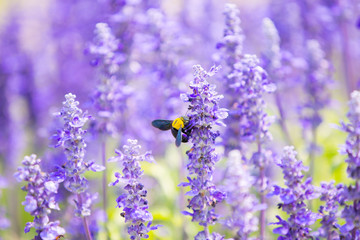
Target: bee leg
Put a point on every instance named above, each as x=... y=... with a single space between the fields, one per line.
x=185 y=138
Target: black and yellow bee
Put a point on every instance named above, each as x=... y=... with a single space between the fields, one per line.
x=180 y=128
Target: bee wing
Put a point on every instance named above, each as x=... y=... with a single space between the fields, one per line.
x=162 y=124
x=178 y=138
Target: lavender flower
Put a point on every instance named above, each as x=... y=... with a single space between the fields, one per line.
x=272 y=61
x=40 y=199
x=316 y=84
x=293 y=198
x=250 y=123
x=104 y=47
x=111 y=92
x=233 y=39
x=71 y=139
x=205 y=236
x=75 y=229
x=317 y=97
x=204 y=114
x=351 y=211
x=272 y=49
x=246 y=83
x=133 y=202
x=243 y=203
x=331 y=195
x=251 y=83
x=231 y=47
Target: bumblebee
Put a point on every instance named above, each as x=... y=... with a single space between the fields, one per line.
x=180 y=128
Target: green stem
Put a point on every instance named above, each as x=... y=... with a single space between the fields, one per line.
x=262 y=195
x=85 y=223
x=104 y=176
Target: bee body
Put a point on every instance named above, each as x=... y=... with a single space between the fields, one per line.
x=180 y=128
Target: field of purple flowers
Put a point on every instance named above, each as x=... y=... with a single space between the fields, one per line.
x=179 y=119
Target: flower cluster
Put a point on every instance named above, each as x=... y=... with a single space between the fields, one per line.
x=246 y=83
x=232 y=42
x=272 y=52
x=316 y=84
x=243 y=203
x=331 y=195
x=104 y=47
x=231 y=47
x=293 y=198
x=204 y=114
x=71 y=139
x=351 y=148
x=133 y=201
x=111 y=92
x=40 y=198
x=273 y=60
x=128 y=61
x=251 y=83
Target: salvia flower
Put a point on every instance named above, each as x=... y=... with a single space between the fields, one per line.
x=71 y=139
x=111 y=91
x=242 y=201
x=318 y=78
x=231 y=47
x=272 y=59
x=76 y=229
x=204 y=113
x=133 y=202
x=331 y=196
x=293 y=198
x=40 y=198
x=105 y=46
x=247 y=84
x=233 y=39
x=272 y=48
x=351 y=212
x=251 y=83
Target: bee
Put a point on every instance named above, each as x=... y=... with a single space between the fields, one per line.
x=180 y=128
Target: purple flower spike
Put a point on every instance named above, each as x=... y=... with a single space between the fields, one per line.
x=331 y=195
x=105 y=46
x=243 y=203
x=133 y=201
x=71 y=139
x=318 y=78
x=40 y=199
x=204 y=114
x=351 y=195
x=272 y=54
x=246 y=83
x=232 y=42
x=293 y=199
x=112 y=91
